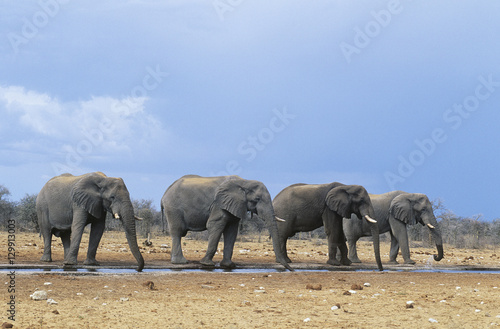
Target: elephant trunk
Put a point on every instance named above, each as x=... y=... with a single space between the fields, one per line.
x=432 y=224
x=368 y=214
x=376 y=244
x=439 y=243
x=130 y=233
x=269 y=218
x=439 y=256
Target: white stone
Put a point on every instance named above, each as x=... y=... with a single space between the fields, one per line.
x=39 y=295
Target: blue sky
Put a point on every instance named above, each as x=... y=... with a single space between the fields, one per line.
x=386 y=94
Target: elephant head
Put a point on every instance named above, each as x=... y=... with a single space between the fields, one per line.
x=413 y=208
x=97 y=193
x=354 y=199
x=237 y=196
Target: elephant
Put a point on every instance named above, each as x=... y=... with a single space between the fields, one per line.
x=216 y=204
x=394 y=211
x=305 y=207
x=67 y=203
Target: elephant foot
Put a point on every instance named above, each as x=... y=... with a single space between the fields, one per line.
x=333 y=261
x=179 y=260
x=345 y=261
x=393 y=262
x=46 y=258
x=70 y=262
x=92 y=262
x=227 y=264
x=287 y=259
x=410 y=262
x=355 y=260
x=207 y=262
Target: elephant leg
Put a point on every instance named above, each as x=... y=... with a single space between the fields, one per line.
x=213 y=242
x=399 y=238
x=66 y=241
x=332 y=250
x=176 y=256
x=215 y=227
x=47 y=245
x=344 y=260
x=79 y=223
x=178 y=229
x=96 y=231
x=393 y=254
x=230 y=233
x=336 y=239
x=353 y=253
x=405 y=249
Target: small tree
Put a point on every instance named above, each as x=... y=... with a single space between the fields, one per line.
x=6 y=206
x=144 y=209
x=25 y=213
x=495 y=232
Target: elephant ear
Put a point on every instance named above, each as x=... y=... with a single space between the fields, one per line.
x=231 y=197
x=339 y=201
x=402 y=210
x=87 y=194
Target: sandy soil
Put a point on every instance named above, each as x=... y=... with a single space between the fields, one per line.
x=341 y=299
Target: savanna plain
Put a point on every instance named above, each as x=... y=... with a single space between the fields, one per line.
x=366 y=298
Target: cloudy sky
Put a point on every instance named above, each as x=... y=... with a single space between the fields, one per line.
x=386 y=94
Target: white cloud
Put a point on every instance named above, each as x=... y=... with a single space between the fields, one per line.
x=95 y=129
x=35 y=110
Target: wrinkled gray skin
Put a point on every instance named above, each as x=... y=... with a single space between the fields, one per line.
x=216 y=204
x=394 y=211
x=67 y=203
x=306 y=207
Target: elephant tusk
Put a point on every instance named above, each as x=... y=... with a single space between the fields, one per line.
x=279 y=219
x=138 y=218
x=431 y=226
x=116 y=216
x=369 y=219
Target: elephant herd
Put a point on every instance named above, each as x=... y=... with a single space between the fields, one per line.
x=67 y=203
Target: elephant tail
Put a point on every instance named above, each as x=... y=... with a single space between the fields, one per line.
x=163 y=218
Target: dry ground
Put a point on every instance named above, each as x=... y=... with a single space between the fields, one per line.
x=253 y=300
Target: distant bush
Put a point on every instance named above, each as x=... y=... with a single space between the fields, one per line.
x=25 y=214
